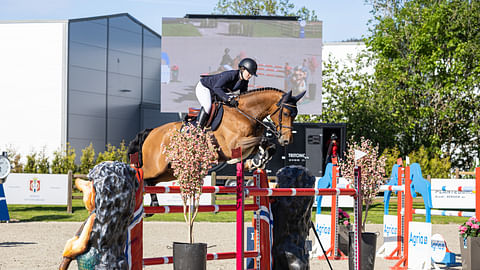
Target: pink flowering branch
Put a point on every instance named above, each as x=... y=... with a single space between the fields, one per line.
x=373 y=170
x=191 y=154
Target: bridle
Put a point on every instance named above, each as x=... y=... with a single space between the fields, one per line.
x=280 y=106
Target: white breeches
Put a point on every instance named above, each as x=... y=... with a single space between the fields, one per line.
x=203 y=96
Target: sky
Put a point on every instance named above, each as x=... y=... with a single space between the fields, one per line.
x=342 y=19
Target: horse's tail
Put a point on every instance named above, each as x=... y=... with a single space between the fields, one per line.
x=135 y=146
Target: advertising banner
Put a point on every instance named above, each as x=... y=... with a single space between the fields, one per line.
x=419 y=245
x=175 y=198
x=323 y=228
x=389 y=231
x=25 y=188
x=451 y=199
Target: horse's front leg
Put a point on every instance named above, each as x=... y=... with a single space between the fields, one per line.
x=265 y=152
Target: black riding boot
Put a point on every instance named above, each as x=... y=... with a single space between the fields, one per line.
x=202 y=118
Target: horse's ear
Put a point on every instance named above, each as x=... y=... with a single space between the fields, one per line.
x=297 y=98
x=287 y=96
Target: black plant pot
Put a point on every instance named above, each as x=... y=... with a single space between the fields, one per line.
x=368 y=246
x=188 y=256
x=343 y=240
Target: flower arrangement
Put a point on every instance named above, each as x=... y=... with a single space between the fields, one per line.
x=343 y=217
x=471 y=228
x=373 y=170
x=191 y=154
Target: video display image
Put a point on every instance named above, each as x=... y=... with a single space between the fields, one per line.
x=288 y=54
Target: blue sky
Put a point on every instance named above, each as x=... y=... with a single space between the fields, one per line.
x=342 y=19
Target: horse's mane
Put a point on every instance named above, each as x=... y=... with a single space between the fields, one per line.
x=261 y=90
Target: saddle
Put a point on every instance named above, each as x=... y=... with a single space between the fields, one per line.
x=216 y=115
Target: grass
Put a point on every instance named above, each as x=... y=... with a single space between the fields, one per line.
x=45 y=213
x=187 y=29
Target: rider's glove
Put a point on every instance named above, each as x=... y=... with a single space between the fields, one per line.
x=232 y=102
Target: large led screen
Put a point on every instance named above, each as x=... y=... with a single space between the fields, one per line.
x=288 y=53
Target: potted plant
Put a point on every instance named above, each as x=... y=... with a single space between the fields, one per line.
x=191 y=154
x=372 y=177
x=470 y=243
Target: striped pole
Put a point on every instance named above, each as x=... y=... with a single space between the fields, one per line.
x=240 y=217
x=210 y=257
x=435 y=212
x=392 y=188
x=357 y=260
x=165 y=209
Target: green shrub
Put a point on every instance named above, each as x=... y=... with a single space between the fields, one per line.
x=64 y=160
x=113 y=153
x=31 y=165
x=391 y=155
x=432 y=163
x=43 y=165
x=87 y=161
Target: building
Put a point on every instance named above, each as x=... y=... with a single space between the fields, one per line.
x=92 y=80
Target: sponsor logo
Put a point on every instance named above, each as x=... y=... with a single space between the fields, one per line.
x=418 y=239
x=389 y=230
x=34 y=185
x=323 y=229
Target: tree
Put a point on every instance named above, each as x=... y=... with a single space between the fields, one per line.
x=427 y=62
x=263 y=7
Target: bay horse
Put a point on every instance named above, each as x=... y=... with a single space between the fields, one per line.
x=241 y=126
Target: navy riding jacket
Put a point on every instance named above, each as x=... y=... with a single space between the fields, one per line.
x=225 y=82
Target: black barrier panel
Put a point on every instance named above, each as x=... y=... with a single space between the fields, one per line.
x=308 y=149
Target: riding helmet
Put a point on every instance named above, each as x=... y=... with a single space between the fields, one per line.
x=249 y=64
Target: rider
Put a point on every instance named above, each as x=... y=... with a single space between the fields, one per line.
x=221 y=84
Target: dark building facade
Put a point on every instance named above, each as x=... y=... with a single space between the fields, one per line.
x=113 y=89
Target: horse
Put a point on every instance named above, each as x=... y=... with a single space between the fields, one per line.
x=241 y=126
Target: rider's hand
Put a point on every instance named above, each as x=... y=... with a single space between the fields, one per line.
x=232 y=102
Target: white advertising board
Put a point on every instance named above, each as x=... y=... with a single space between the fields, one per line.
x=323 y=228
x=452 y=199
x=25 y=188
x=175 y=198
x=419 y=245
x=343 y=201
x=390 y=231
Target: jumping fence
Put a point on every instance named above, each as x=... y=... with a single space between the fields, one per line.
x=260 y=192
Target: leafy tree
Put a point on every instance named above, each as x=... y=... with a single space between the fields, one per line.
x=15 y=159
x=426 y=56
x=263 y=7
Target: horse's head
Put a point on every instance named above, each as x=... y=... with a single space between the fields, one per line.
x=284 y=115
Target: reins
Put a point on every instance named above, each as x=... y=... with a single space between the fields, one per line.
x=276 y=133
x=280 y=107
